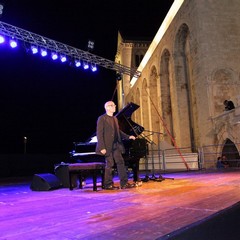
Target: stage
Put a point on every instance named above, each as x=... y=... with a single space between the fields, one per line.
x=155 y=210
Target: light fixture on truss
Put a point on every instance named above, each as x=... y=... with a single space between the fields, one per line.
x=43 y=52
x=54 y=56
x=93 y=67
x=85 y=65
x=1 y=9
x=13 y=43
x=77 y=63
x=34 y=49
x=63 y=58
x=2 y=39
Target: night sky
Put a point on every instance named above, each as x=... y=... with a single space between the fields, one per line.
x=49 y=102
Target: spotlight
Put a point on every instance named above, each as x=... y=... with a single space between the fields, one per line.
x=63 y=59
x=85 y=65
x=119 y=76
x=54 y=56
x=94 y=67
x=43 y=52
x=2 y=39
x=34 y=49
x=1 y=9
x=90 y=45
x=77 y=63
x=13 y=43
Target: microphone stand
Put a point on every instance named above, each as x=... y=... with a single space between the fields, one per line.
x=153 y=168
x=146 y=178
x=160 y=178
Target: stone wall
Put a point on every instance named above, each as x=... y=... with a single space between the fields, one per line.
x=193 y=69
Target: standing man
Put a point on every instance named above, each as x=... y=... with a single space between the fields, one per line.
x=110 y=145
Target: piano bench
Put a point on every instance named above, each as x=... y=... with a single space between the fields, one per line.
x=79 y=168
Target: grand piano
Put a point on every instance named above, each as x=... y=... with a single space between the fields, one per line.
x=135 y=149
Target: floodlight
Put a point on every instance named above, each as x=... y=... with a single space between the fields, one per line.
x=77 y=63
x=119 y=76
x=1 y=9
x=93 y=67
x=34 y=49
x=63 y=59
x=85 y=65
x=90 y=45
x=13 y=43
x=54 y=56
x=43 y=52
x=2 y=39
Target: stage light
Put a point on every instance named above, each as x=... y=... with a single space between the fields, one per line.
x=93 y=67
x=2 y=39
x=85 y=65
x=13 y=43
x=43 y=52
x=34 y=49
x=90 y=45
x=77 y=63
x=63 y=59
x=1 y=9
x=119 y=76
x=54 y=56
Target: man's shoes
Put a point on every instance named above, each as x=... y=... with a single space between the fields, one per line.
x=111 y=187
x=128 y=185
x=138 y=183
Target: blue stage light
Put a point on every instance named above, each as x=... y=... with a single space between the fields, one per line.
x=63 y=59
x=77 y=63
x=54 y=56
x=94 y=67
x=43 y=52
x=85 y=65
x=34 y=49
x=13 y=43
x=2 y=39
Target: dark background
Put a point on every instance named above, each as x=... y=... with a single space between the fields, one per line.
x=51 y=103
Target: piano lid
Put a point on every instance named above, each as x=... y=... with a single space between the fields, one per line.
x=125 y=122
x=128 y=110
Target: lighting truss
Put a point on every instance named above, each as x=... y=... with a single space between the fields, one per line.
x=63 y=49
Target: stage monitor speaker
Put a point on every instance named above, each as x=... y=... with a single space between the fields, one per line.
x=45 y=182
x=61 y=171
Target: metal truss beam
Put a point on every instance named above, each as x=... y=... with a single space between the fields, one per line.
x=64 y=49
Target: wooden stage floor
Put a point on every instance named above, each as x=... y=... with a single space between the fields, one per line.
x=147 y=212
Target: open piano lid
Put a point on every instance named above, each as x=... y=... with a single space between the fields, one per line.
x=125 y=122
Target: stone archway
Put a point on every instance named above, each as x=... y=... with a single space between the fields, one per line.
x=145 y=108
x=137 y=113
x=231 y=152
x=185 y=99
x=165 y=93
x=154 y=106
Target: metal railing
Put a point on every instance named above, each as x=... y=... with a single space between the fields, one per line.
x=170 y=160
x=208 y=154
x=206 y=158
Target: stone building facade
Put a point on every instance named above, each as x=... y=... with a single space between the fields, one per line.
x=189 y=69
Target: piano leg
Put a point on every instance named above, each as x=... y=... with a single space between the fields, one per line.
x=135 y=168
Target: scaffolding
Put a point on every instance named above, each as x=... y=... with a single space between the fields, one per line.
x=64 y=49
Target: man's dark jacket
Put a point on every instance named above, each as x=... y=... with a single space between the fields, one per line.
x=106 y=133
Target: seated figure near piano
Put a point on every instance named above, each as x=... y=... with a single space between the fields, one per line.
x=109 y=145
